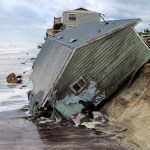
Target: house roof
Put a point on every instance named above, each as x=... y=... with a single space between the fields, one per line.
x=91 y=31
x=82 y=10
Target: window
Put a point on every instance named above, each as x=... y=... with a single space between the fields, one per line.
x=78 y=86
x=72 y=16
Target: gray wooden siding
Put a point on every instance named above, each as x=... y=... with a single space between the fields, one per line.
x=80 y=18
x=107 y=61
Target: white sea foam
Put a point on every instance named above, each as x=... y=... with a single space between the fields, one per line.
x=17 y=59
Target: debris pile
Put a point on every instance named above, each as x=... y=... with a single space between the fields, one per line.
x=89 y=117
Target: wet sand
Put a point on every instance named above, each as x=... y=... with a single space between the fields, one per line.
x=18 y=133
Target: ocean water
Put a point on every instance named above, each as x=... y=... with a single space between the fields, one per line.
x=15 y=59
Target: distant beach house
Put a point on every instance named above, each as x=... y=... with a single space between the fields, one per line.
x=70 y=18
x=80 y=15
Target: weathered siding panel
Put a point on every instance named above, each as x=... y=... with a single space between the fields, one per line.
x=107 y=61
x=47 y=67
x=80 y=18
x=99 y=52
x=84 y=58
x=137 y=56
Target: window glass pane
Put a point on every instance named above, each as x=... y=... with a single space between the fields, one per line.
x=76 y=87
x=81 y=83
x=72 y=16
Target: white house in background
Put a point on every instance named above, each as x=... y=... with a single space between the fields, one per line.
x=70 y=18
x=79 y=15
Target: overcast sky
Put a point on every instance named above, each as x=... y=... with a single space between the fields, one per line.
x=26 y=21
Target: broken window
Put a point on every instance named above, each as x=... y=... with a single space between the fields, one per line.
x=78 y=86
x=72 y=16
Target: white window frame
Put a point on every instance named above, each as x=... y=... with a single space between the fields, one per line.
x=72 y=14
x=81 y=87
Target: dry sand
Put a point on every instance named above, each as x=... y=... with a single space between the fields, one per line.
x=131 y=109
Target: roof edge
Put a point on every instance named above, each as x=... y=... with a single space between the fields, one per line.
x=43 y=102
x=62 y=43
x=86 y=10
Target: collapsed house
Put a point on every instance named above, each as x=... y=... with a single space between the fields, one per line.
x=86 y=62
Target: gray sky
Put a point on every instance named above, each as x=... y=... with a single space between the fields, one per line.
x=25 y=21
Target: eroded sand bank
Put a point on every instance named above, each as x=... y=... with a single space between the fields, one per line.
x=131 y=109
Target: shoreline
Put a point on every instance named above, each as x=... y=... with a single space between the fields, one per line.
x=19 y=133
